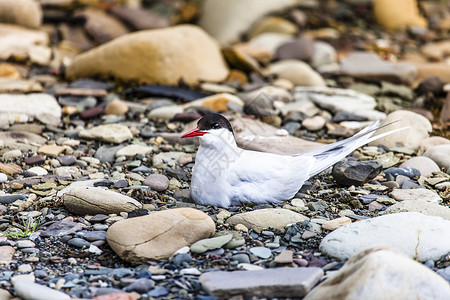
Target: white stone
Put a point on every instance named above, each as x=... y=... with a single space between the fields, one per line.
x=296 y=71
x=417 y=235
x=165 y=112
x=3 y=178
x=270 y=41
x=424 y=207
x=382 y=273
x=114 y=133
x=33 y=291
x=12 y=154
x=45 y=107
x=415 y=194
x=38 y=171
x=133 y=150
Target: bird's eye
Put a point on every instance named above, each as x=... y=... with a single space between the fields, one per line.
x=215 y=126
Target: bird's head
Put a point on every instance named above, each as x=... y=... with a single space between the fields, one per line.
x=212 y=126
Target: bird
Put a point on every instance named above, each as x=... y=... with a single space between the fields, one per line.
x=225 y=175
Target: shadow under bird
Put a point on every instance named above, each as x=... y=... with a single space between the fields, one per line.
x=226 y=175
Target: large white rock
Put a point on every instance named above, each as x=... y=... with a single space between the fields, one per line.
x=44 y=107
x=227 y=20
x=419 y=129
x=417 y=235
x=382 y=273
x=416 y=195
x=16 y=41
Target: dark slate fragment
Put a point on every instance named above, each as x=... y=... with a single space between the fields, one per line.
x=166 y=91
x=34 y=160
x=408 y=172
x=348 y=172
x=6 y=199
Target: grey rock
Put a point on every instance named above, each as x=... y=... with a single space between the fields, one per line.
x=107 y=153
x=157 y=182
x=420 y=206
x=261 y=252
x=425 y=165
x=268 y=283
x=204 y=245
x=348 y=172
x=440 y=154
x=140 y=286
x=79 y=243
x=113 y=133
x=92 y=236
x=62 y=228
x=241 y=258
x=67 y=160
x=415 y=194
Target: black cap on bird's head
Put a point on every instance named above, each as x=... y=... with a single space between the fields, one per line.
x=209 y=122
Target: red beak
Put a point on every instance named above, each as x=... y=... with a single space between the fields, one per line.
x=194 y=132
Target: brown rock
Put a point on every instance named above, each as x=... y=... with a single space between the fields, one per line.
x=336 y=223
x=138 y=18
x=6 y=254
x=165 y=232
x=16 y=41
x=398 y=15
x=116 y=107
x=10 y=169
x=52 y=150
x=102 y=27
x=9 y=71
x=165 y=56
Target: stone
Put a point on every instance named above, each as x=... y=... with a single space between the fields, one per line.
x=204 y=245
x=116 y=107
x=350 y=172
x=416 y=235
x=314 y=123
x=298 y=72
x=32 y=291
x=227 y=21
x=167 y=158
x=141 y=286
x=6 y=254
x=10 y=169
x=62 y=228
x=16 y=41
x=415 y=194
x=3 y=178
x=38 y=171
x=139 y=18
x=440 y=155
x=439 y=69
x=157 y=182
x=402 y=14
x=113 y=133
x=368 y=66
x=273 y=24
x=432 y=141
x=101 y=26
x=97 y=200
x=336 y=223
x=115 y=296
x=301 y=49
x=265 y=218
x=44 y=107
x=167 y=112
x=323 y=55
x=51 y=150
x=166 y=56
x=380 y=271
x=217 y=102
x=12 y=154
x=270 y=41
x=133 y=150
x=9 y=85
x=166 y=232
x=445 y=111
x=106 y=153
x=268 y=283
x=27 y=13
x=420 y=206
x=335 y=100
x=425 y=165
x=410 y=138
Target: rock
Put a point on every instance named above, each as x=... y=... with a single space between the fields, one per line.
x=437 y=50
x=264 y=218
x=27 y=13
x=268 y=283
x=51 y=150
x=8 y=85
x=227 y=21
x=269 y=41
x=368 y=66
x=38 y=171
x=445 y=111
x=167 y=158
x=167 y=112
x=133 y=150
x=415 y=194
x=298 y=72
x=218 y=102
x=44 y=107
x=261 y=252
x=101 y=26
x=314 y=123
x=157 y=182
x=113 y=133
x=336 y=223
x=106 y=153
x=141 y=286
x=166 y=56
x=3 y=178
x=166 y=232
x=12 y=154
x=139 y=18
x=410 y=138
x=440 y=155
x=420 y=206
x=334 y=99
x=97 y=200
x=16 y=41
x=6 y=254
x=407 y=172
x=32 y=291
x=273 y=24
x=425 y=165
x=116 y=107
x=425 y=70
x=301 y=49
x=417 y=235
x=432 y=141
x=372 y=273
x=350 y=172
x=323 y=54
x=401 y=15
x=62 y=228
x=10 y=169
x=204 y=245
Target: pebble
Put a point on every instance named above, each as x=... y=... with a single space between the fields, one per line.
x=140 y=286
x=336 y=223
x=440 y=155
x=204 y=245
x=349 y=172
x=424 y=165
x=157 y=182
x=415 y=195
x=3 y=178
x=30 y=290
x=261 y=252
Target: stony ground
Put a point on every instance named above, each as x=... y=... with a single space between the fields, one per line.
x=95 y=176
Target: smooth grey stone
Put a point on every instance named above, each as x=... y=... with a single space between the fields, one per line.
x=6 y=199
x=79 y=243
x=140 y=286
x=92 y=236
x=107 y=153
x=241 y=258
x=62 y=228
x=261 y=252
